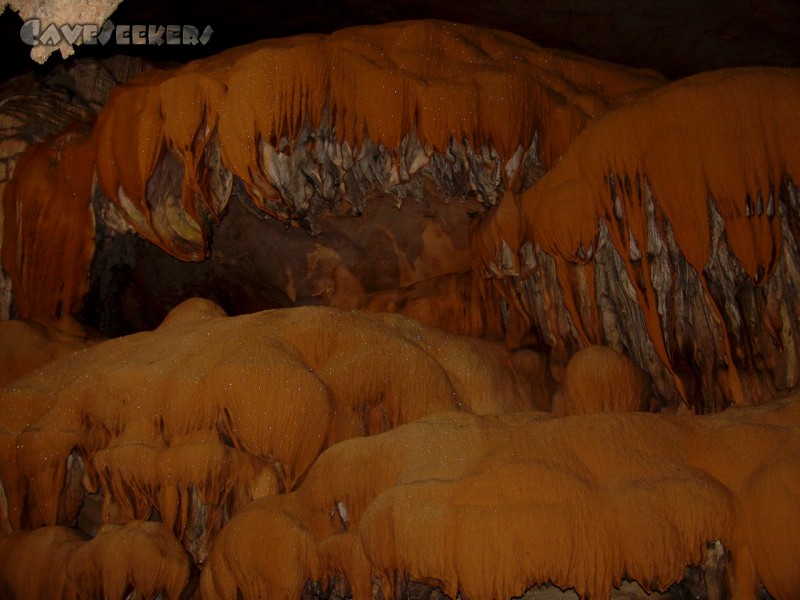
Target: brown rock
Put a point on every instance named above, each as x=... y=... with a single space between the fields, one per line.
x=27 y=345
x=598 y=379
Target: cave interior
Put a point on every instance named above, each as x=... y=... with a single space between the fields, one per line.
x=401 y=301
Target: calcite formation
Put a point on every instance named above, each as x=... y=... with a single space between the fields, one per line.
x=486 y=507
x=369 y=109
x=598 y=379
x=181 y=421
x=594 y=253
x=60 y=563
x=28 y=345
x=627 y=245
x=211 y=427
x=34 y=109
x=30 y=111
x=676 y=216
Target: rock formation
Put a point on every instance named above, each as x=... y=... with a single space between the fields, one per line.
x=487 y=506
x=620 y=243
x=677 y=216
x=598 y=379
x=180 y=421
x=304 y=142
x=34 y=109
x=59 y=14
x=28 y=345
x=60 y=563
x=590 y=255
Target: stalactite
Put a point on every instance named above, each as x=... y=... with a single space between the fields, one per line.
x=314 y=124
x=694 y=196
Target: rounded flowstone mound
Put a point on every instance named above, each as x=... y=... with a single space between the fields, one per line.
x=599 y=379
x=486 y=506
x=206 y=413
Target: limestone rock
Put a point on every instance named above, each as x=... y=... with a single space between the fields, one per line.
x=59 y=563
x=685 y=259
x=488 y=506
x=61 y=13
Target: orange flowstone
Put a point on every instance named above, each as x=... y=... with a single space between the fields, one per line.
x=48 y=240
x=231 y=407
x=486 y=507
x=28 y=345
x=598 y=379
x=436 y=80
x=726 y=139
x=60 y=564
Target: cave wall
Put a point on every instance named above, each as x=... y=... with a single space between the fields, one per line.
x=37 y=108
x=691 y=204
x=310 y=148
x=533 y=198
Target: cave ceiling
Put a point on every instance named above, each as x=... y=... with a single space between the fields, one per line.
x=675 y=38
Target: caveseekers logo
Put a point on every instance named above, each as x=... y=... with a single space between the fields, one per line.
x=154 y=35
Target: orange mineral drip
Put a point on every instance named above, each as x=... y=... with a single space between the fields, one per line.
x=266 y=397
x=28 y=345
x=450 y=500
x=723 y=141
x=141 y=558
x=444 y=81
x=687 y=145
x=49 y=225
x=165 y=144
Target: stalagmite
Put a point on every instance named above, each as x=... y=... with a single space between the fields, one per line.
x=598 y=379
